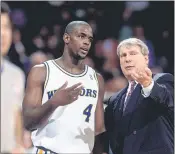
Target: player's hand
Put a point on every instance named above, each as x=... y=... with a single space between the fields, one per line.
x=66 y=95
x=142 y=76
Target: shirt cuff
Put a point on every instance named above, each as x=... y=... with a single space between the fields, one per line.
x=147 y=90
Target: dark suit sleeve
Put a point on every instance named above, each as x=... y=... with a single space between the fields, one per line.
x=108 y=123
x=109 y=114
x=163 y=90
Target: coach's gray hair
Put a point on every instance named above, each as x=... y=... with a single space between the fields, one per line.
x=133 y=42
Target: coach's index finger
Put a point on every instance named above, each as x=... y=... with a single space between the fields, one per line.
x=75 y=86
x=148 y=71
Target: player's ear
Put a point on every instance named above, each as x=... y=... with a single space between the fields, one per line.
x=66 y=38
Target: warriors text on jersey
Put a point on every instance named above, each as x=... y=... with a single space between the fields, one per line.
x=71 y=128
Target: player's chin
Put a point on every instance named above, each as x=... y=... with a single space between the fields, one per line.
x=82 y=56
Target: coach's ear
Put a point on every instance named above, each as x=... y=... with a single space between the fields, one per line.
x=66 y=38
x=146 y=59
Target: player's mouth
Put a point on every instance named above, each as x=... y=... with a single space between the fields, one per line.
x=84 y=50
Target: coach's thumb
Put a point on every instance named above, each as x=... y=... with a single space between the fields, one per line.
x=64 y=85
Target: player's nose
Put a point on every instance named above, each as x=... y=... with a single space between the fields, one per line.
x=86 y=42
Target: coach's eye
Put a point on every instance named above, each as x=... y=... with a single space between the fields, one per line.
x=133 y=53
x=122 y=55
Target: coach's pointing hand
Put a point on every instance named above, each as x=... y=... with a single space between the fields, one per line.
x=142 y=76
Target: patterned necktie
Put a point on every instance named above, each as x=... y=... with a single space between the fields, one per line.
x=133 y=83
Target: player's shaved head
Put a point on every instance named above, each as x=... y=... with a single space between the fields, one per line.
x=73 y=25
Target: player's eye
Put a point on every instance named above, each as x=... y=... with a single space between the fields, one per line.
x=91 y=40
x=81 y=36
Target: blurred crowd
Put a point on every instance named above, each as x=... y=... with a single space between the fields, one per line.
x=39 y=27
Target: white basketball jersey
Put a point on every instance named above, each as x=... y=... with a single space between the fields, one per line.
x=71 y=128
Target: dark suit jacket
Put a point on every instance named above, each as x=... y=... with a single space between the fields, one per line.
x=147 y=124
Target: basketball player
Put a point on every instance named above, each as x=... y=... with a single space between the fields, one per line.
x=63 y=101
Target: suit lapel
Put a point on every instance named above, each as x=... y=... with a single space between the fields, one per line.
x=118 y=104
x=133 y=100
x=118 y=98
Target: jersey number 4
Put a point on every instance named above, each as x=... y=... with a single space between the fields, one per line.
x=87 y=112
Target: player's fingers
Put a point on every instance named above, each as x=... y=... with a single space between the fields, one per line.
x=74 y=98
x=74 y=86
x=75 y=92
x=64 y=85
x=78 y=88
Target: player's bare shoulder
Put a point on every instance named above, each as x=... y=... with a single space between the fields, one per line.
x=38 y=73
x=100 y=79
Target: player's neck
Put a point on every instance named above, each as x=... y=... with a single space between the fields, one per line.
x=71 y=65
x=71 y=62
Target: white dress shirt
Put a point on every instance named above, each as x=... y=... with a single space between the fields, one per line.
x=146 y=91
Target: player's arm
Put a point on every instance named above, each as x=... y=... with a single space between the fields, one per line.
x=99 y=119
x=34 y=112
x=99 y=113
